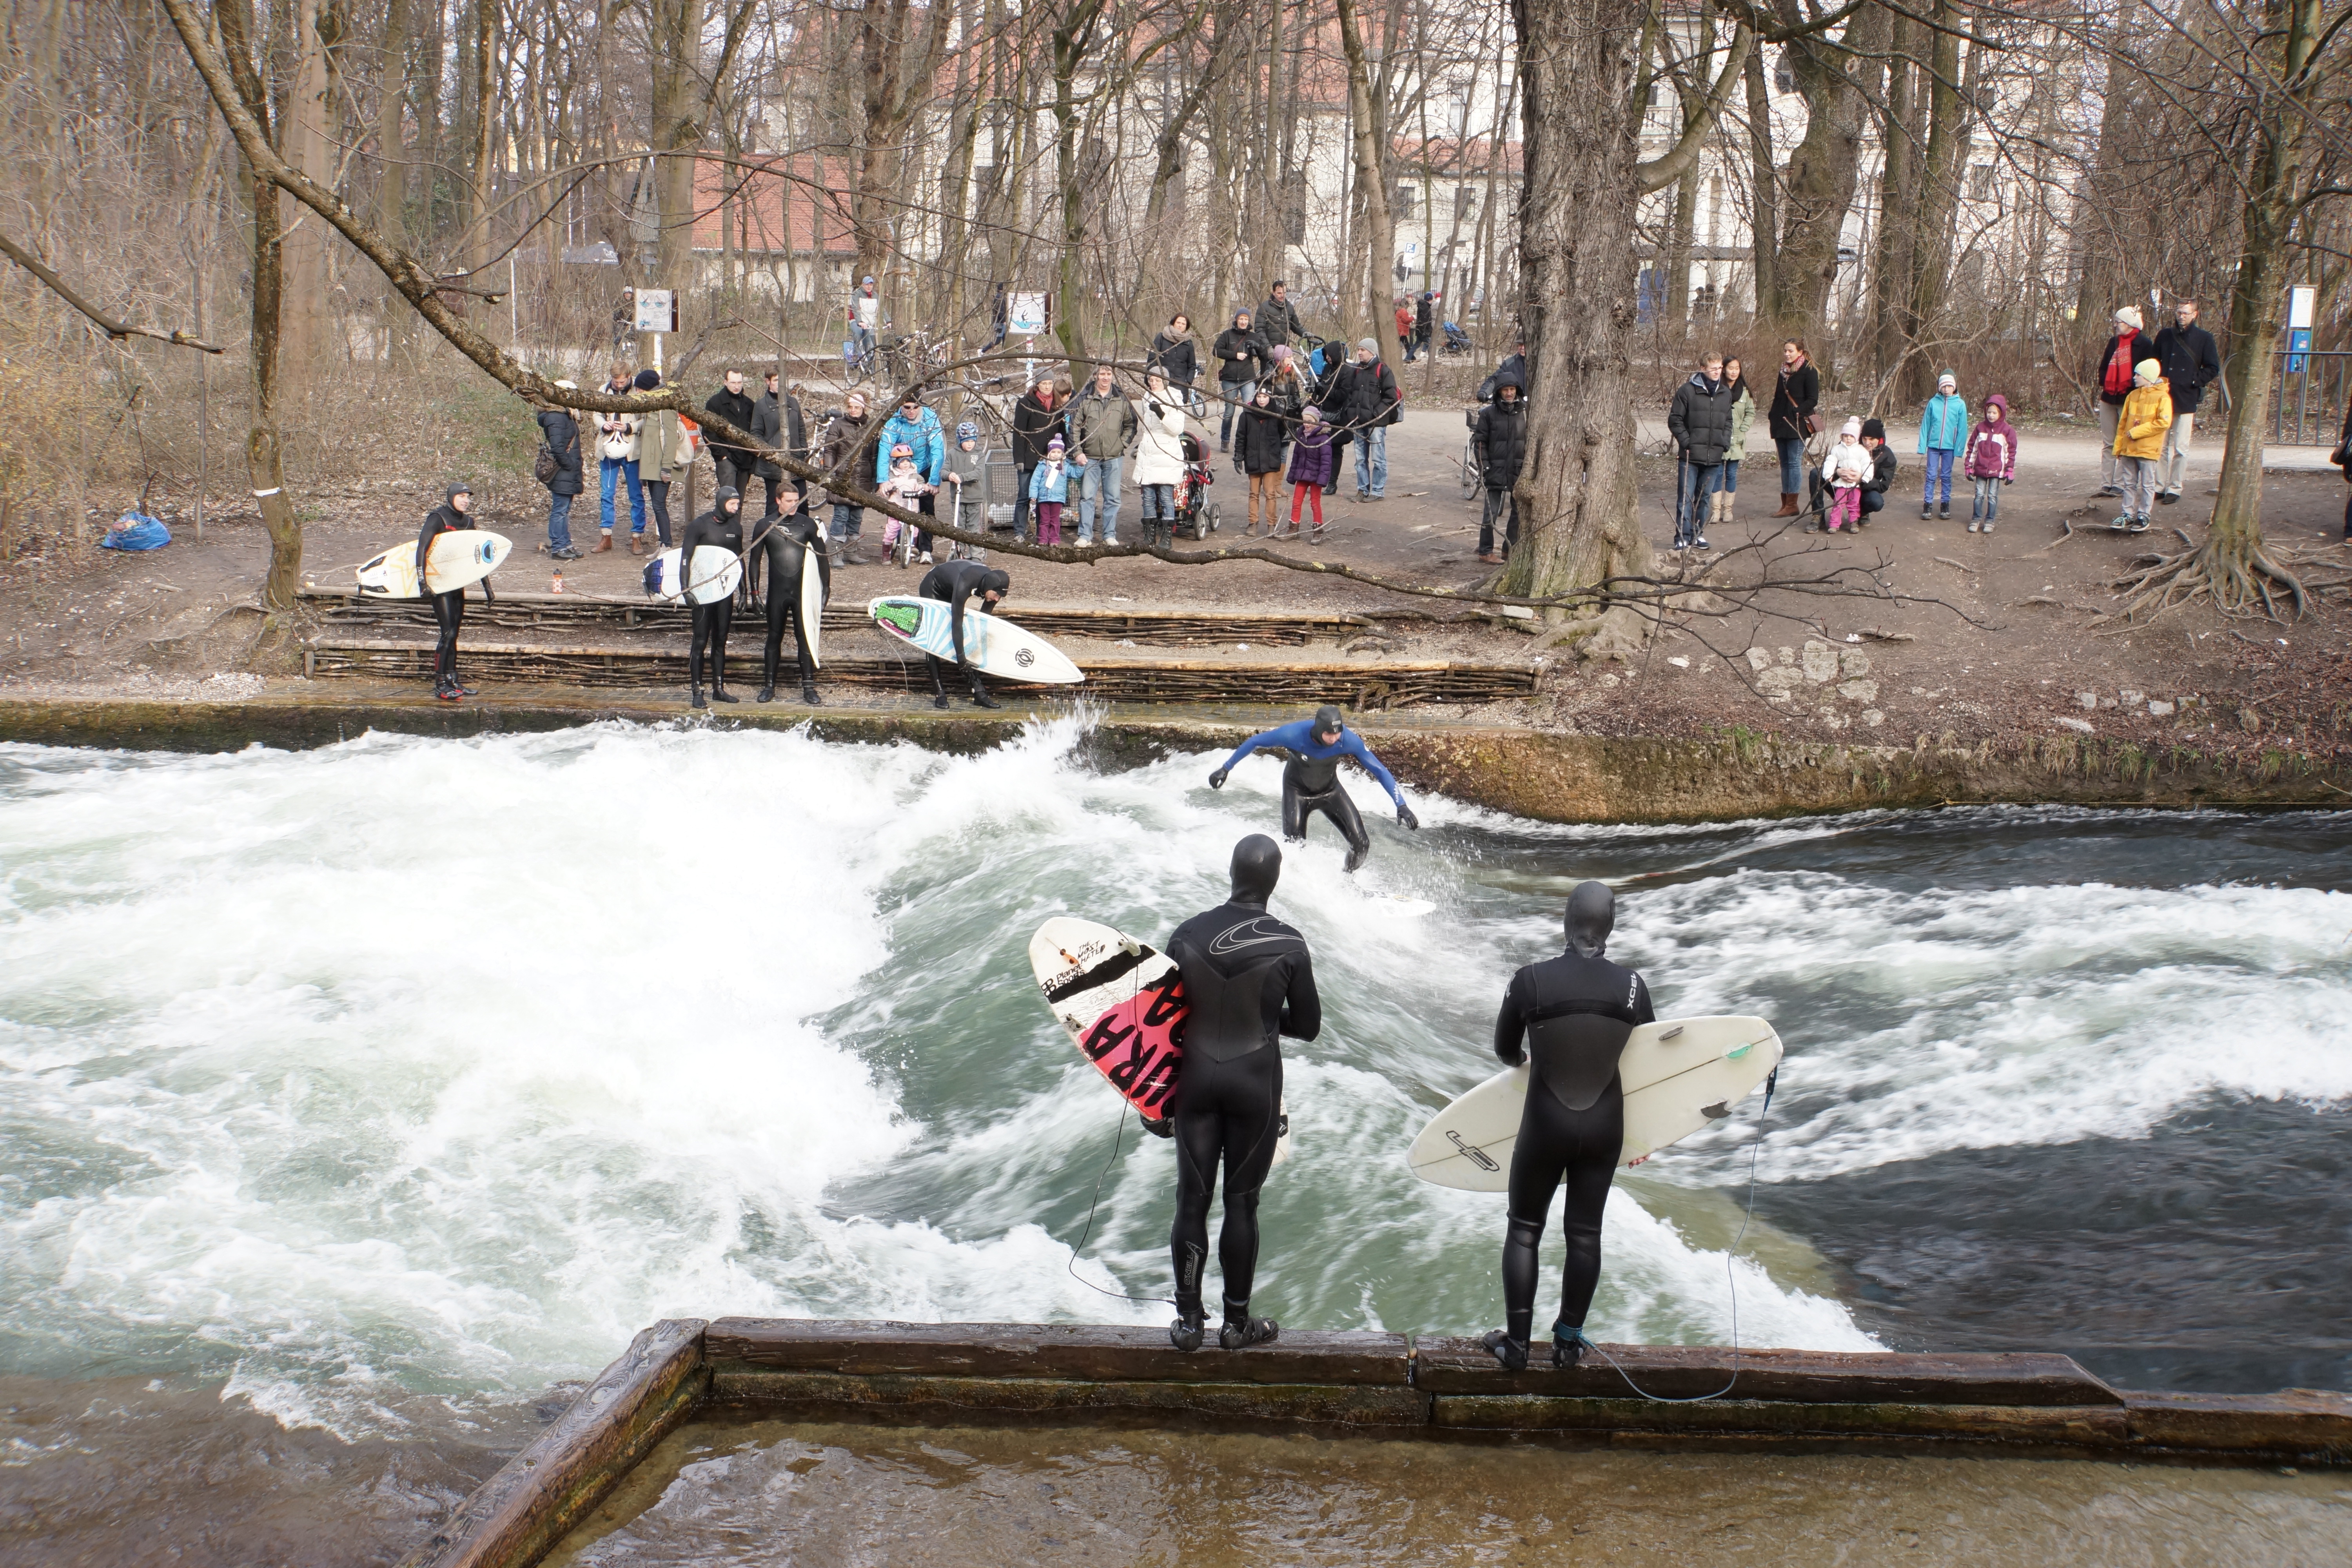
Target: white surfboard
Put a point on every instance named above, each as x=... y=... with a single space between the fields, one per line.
x=812 y=598
x=1679 y=1075
x=1122 y=1005
x=460 y=556
x=717 y=573
x=994 y=645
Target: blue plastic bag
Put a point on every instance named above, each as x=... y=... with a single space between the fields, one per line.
x=136 y=531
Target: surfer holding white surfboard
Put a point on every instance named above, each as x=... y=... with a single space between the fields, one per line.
x=1311 y=779
x=721 y=528
x=800 y=580
x=1249 y=980
x=952 y=582
x=453 y=515
x=1568 y=1019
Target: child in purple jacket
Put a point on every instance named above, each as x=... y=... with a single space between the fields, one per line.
x=1991 y=461
x=1314 y=463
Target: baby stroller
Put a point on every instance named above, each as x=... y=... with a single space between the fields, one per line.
x=1197 y=517
x=1457 y=342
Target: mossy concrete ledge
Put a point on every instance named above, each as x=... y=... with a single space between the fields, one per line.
x=1364 y=1384
x=1722 y=773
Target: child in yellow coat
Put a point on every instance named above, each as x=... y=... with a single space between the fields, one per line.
x=2145 y=415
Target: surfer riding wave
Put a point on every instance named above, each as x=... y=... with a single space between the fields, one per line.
x=1311 y=779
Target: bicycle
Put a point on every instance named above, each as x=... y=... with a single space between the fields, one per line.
x=1473 y=471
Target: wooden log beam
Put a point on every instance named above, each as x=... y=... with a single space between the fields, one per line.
x=1460 y=1366
x=1065 y=1351
x=2302 y=1425
x=519 y=1515
x=1254 y=1403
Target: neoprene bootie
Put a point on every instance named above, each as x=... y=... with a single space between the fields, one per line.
x=1187 y=1332
x=694 y=698
x=766 y=694
x=1567 y=1345
x=1511 y=1353
x=1241 y=1331
x=809 y=696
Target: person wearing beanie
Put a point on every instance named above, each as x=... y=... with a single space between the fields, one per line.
x=1844 y=470
x=1991 y=462
x=2125 y=349
x=721 y=528
x=1880 y=478
x=662 y=456
x=1049 y=490
x=1369 y=404
x=560 y=433
x=2145 y=415
x=1943 y=431
x=455 y=513
x=907 y=486
x=966 y=476
x=1314 y=459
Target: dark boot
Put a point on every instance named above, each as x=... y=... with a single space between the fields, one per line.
x=809 y=696
x=1511 y=1353
x=980 y=697
x=1567 y=1345
x=719 y=693
x=694 y=698
x=767 y=694
x=1189 y=1329
x=1787 y=504
x=1241 y=1331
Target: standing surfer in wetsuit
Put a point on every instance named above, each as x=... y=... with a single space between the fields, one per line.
x=1571 y=1015
x=951 y=582
x=784 y=543
x=722 y=528
x=454 y=513
x=1310 y=780
x=1247 y=980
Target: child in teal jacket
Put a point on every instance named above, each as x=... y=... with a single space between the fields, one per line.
x=1943 y=431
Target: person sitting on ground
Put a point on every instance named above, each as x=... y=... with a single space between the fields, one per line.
x=721 y=528
x=454 y=513
x=952 y=582
x=1566 y=1020
x=1249 y=980
x=1992 y=461
x=1882 y=466
x=1263 y=436
x=1500 y=441
x=1311 y=779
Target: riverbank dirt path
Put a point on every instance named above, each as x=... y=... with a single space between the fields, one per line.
x=2000 y=636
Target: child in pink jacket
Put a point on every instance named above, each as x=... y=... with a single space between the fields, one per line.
x=1991 y=461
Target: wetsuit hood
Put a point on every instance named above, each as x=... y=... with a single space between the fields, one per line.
x=724 y=494
x=1591 y=912
x=997 y=582
x=1327 y=720
x=456 y=488
x=1257 y=865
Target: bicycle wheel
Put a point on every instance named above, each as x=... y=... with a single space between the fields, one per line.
x=1469 y=470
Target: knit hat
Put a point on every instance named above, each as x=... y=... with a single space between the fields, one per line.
x=967 y=430
x=1947 y=379
x=1368 y=344
x=2147 y=373
x=1055 y=445
x=1311 y=413
x=647 y=380
x=2128 y=316
x=1873 y=430
x=1282 y=353
x=1852 y=429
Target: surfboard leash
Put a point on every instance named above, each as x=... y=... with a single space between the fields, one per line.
x=1730 y=1277
x=1118 y=1140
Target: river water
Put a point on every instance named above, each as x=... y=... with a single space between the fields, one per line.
x=373 y=1089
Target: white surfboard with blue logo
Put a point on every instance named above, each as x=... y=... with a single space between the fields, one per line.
x=994 y=645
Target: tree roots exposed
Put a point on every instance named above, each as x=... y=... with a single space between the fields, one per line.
x=2240 y=580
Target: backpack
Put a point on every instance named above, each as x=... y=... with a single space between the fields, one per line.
x=545 y=467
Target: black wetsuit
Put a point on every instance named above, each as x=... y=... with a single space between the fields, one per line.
x=1247 y=979
x=712 y=620
x=449 y=608
x=1571 y=1015
x=952 y=582
x=782 y=541
x=1310 y=778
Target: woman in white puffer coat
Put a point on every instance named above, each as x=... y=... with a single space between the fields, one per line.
x=1159 y=459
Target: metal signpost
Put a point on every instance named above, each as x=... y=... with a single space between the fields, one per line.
x=657 y=313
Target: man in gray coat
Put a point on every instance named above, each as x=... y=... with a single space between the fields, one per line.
x=1102 y=427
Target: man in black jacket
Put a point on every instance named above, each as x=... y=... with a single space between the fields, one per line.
x=2191 y=361
x=1041 y=414
x=561 y=431
x=1278 y=320
x=733 y=404
x=1422 y=323
x=1501 y=441
x=1700 y=423
x=1369 y=404
x=1514 y=365
x=776 y=419
x=1240 y=364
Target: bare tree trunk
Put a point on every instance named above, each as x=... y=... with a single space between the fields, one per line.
x=1950 y=124
x=1838 y=79
x=1764 y=205
x=1898 y=194
x=308 y=139
x=1372 y=179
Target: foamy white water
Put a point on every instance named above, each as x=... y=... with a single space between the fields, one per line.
x=442 y=1067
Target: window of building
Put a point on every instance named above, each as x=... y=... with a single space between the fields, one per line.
x=1980 y=182
x=1402 y=209
x=1784 y=80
